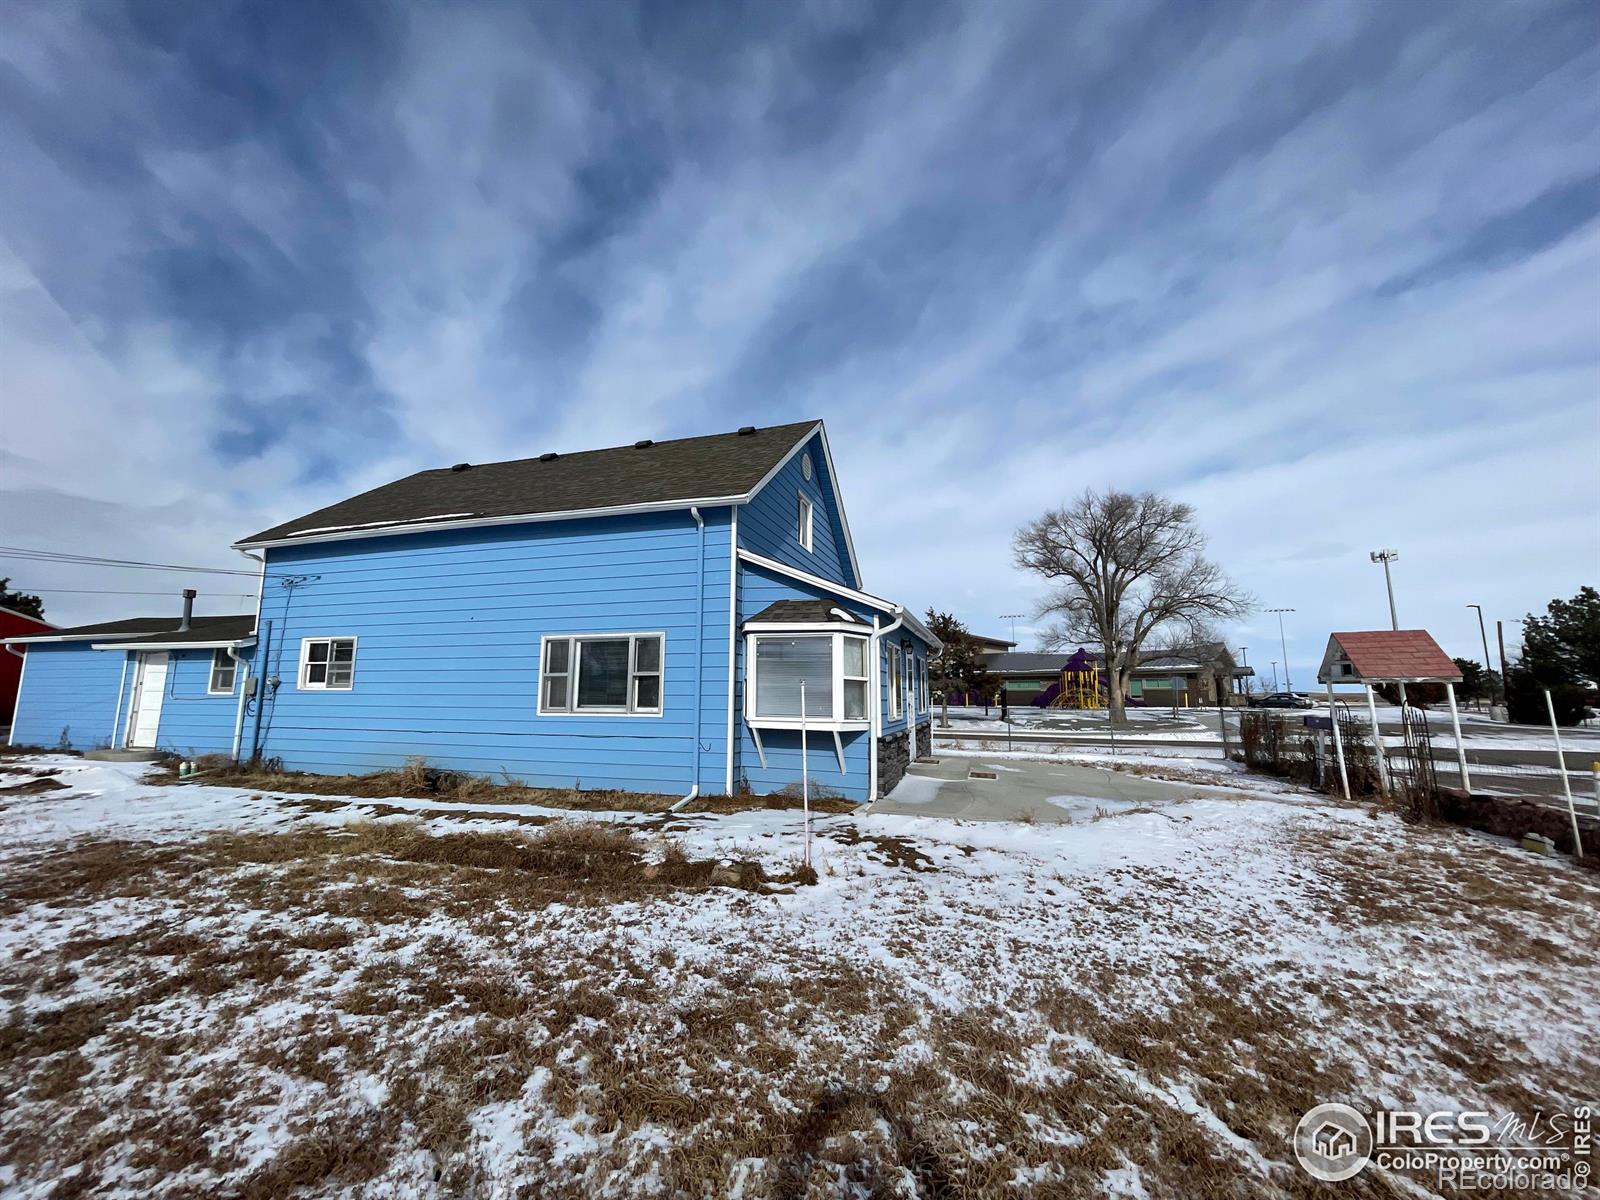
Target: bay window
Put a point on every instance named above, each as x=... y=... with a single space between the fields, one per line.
x=615 y=674
x=832 y=666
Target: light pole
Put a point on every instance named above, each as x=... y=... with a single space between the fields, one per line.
x=1244 y=656
x=1288 y=684
x=1386 y=557
x=1013 y=618
x=1487 y=665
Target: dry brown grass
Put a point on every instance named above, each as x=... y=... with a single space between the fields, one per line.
x=419 y=781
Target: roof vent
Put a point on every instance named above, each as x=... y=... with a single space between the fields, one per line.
x=462 y=467
x=643 y=444
x=549 y=456
x=746 y=430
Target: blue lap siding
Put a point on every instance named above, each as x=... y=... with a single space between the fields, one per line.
x=193 y=721
x=769 y=524
x=68 y=696
x=448 y=628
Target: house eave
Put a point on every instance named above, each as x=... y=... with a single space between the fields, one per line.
x=220 y=644
x=574 y=514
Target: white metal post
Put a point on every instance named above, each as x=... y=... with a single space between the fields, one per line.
x=805 y=777
x=1377 y=742
x=1566 y=784
x=1338 y=744
x=1461 y=750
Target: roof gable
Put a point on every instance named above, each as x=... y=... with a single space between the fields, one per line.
x=1404 y=655
x=726 y=467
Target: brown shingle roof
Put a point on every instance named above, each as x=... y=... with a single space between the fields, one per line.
x=134 y=630
x=803 y=612
x=686 y=469
x=1406 y=654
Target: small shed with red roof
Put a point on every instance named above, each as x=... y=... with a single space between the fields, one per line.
x=1386 y=656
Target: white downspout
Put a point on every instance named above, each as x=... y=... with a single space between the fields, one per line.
x=877 y=695
x=241 y=670
x=699 y=658
x=11 y=738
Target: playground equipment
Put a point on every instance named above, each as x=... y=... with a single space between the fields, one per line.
x=1078 y=687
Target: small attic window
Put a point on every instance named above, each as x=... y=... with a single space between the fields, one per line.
x=804 y=523
x=805 y=465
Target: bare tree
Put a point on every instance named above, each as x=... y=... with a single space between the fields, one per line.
x=1125 y=568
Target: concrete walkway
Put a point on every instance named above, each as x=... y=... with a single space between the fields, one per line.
x=1022 y=790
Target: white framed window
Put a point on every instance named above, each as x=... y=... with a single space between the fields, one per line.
x=919 y=683
x=832 y=666
x=601 y=674
x=805 y=522
x=805 y=465
x=224 y=673
x=327 y=664
x=894 y=683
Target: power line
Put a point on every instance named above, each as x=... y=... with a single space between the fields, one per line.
x=27 y=554
x=120 y=592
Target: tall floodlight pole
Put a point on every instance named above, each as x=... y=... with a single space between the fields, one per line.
x=1488 y=666
x=1013 y=618
x=1386 y=557
x=1288 y=684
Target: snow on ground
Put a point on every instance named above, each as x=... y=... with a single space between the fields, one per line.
x=210 y=991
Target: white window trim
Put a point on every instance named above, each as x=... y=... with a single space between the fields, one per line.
x=573 y=658
x=806 y=520
x=301 y=683
x=836 y=724
x=219 y=657
x=896 y=682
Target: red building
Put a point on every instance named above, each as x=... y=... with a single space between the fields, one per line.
x=14 y=624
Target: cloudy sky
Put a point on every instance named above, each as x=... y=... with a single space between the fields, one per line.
x=1329 y=271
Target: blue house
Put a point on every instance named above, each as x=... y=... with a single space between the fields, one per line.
x=651 y=618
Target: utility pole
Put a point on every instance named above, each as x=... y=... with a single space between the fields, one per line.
x=1244 y=656
x=1288 y=684
x=1386 y=557
x=1487 y=664
x=1505 y=680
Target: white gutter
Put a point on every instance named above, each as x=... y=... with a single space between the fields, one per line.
x=67 y=637
x=220 y=644
x=838 y=589
x=699 y=659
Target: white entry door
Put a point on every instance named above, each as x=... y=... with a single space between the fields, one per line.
x=144 y=713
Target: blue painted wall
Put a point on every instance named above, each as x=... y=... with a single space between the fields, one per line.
x=68 y=691
x=769 y=525
x=193 y=722
x=447 y=661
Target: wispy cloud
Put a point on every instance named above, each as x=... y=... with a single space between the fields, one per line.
x=1330 y=272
